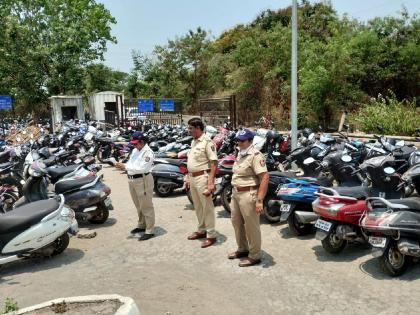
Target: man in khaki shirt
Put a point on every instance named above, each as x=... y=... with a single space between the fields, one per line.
x=250 y=182
x=202 y=165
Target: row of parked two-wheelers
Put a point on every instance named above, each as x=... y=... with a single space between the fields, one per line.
x=347 y=191
x=45 y=192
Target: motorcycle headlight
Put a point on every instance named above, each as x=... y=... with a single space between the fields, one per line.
x=34 y=173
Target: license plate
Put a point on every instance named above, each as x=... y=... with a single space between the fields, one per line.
x=78 y=161
x=285 y=207
x=377 y=241
x=323 y=225
x=107 y=202
x=91 y=150
x=218 y=180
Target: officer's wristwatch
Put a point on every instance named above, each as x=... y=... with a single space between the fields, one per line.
x=259 y=201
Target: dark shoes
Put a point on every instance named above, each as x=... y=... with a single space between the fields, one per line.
x=146 y=237
x=137 y=230
x=208 y=242
x=236 y=255
x=248 y=262
x=197 y=235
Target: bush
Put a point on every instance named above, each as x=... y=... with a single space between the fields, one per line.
x=9 y=306
x=395 y=117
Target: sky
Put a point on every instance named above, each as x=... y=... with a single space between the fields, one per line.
x=143 y=24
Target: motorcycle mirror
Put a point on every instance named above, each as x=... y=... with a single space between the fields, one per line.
x=346 y=158
x=389 y=170
x=311 y=137
x=308 y=161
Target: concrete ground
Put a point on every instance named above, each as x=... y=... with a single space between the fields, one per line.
x=171 y=275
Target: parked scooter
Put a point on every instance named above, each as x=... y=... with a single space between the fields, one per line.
x=40 y=228
x=394 y=232
x=341 y=209
x=87 y=196
x=168 y=175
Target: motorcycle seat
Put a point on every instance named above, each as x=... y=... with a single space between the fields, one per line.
x=57 y=172
x=358 y=192
x=4 y=156
x=65 y=186
x=6 y=165
x=177 y=162
x=412 y=202
x=50 y=161
x=105 y=140
x=282 y=174
x=27 y=215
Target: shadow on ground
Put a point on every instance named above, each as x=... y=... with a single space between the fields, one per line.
x=69 y=256
x=350 y=252
x=372 y=269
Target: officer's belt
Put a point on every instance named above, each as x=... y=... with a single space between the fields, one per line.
x=246 y=188
x=195 y=174
x=137 y=175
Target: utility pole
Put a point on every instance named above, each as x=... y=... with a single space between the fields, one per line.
x=294 y=75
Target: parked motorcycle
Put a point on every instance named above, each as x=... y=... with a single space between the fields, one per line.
x=40 y=228
x=87 y=196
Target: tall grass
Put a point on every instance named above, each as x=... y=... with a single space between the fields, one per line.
x=395 y=117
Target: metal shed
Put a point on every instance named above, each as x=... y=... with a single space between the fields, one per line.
x=66 y=107
x=108 y=100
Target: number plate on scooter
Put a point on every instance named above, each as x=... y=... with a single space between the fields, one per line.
x=107 y=202
x=323 y=225
x=285 y=207
x=218 y=180
x=78 y=161
x=377 y=241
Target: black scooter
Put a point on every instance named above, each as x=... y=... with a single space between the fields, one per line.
x=87 y=196
x=168 y=175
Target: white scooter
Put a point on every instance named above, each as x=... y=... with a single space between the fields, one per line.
x=40 y=228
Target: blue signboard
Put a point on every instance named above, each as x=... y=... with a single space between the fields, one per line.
x=145 y=105
x=166 y=105
x=5 y=102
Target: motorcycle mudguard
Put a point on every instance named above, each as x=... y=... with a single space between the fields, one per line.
x=321 y=235
x=285 y=215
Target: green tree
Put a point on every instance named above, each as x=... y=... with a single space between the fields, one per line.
x=45 y=44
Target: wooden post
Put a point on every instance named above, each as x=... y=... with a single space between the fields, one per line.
x=342 y=120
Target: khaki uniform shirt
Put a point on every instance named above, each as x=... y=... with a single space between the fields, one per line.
x=201 y=153
x=247 y=168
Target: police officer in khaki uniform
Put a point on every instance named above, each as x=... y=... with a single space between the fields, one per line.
x=140 y=182
x=250 y=182
x=202 y=165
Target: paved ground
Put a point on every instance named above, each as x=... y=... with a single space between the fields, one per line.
x=171 y=275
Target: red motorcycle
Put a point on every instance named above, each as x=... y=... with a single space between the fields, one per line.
x=219 y=137
x=339 y=219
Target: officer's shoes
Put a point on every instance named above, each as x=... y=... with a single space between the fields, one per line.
x=145 y=237
x=137 y=230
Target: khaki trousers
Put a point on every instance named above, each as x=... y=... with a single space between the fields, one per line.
x=204 y=208
x=141 y=190
x=246 y=222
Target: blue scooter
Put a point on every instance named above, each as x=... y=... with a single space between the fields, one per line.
x=294 y=200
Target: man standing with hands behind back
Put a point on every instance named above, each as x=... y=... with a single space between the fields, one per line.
x=202 y=165
x=141 y=183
